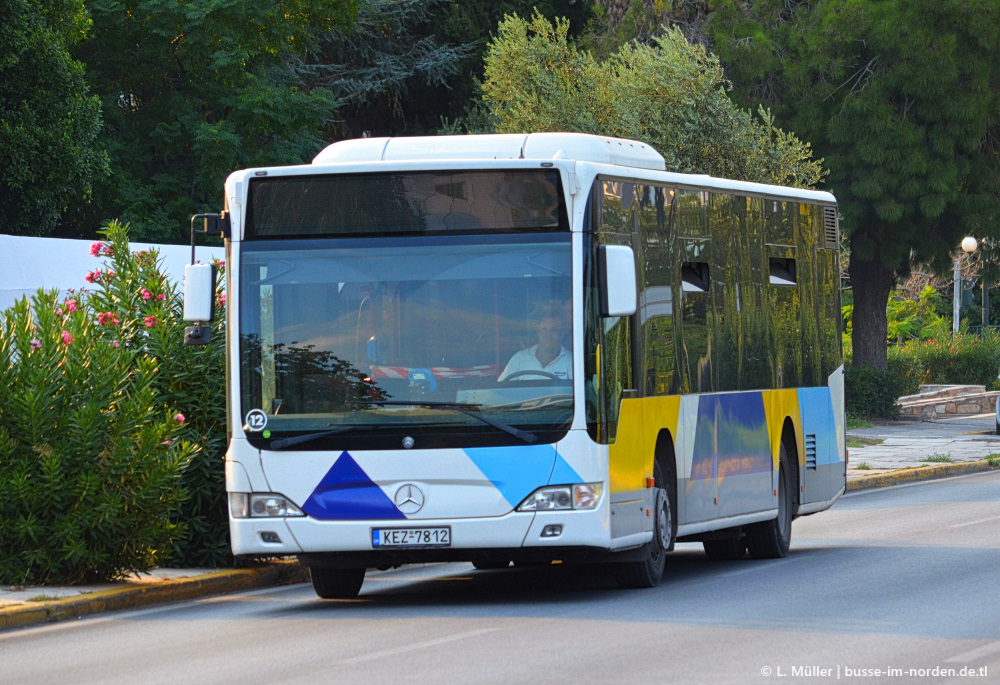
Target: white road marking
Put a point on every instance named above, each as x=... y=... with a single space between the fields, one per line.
x=417 y=645
x=973 y=655
x=972 y=523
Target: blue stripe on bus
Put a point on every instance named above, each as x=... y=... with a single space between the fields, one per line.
x=346 y=493
x=517 y=471
x=731 y=437
x=816 y=410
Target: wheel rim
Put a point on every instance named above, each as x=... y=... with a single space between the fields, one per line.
x=663 y=523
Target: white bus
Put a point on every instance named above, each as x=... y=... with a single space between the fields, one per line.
x=524 y=348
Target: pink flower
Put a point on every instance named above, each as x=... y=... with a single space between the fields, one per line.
x=146 y=294
x=59 y=312
x=106 y=318
x=95 y=249
x=161 y=296
x=71 y=305
x=150 y=321
x=220 y=263
x=67 y=338
x=179 y=418
x=93 y=276
x=168 y=443
x=114 y=344
x=221 y=300
x=36 y=344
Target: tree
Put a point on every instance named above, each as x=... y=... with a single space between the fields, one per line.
x=389 y=71
x=191 y=91
x=48 y=122
x=475 y=22
x=901 y=99
x=670 y=94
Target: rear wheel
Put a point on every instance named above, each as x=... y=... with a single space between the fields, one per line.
x=337 y=583
x=771 y=539
x=648 y=571
x=727 y=549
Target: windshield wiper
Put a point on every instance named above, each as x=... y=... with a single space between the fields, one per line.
x=282 y=443
x=527 y=436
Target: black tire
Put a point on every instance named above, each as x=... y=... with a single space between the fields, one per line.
x=648 y=571
x=337 y=583
x=771 y=539
x=727 y=549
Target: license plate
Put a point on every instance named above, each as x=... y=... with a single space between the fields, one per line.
x=411 y=537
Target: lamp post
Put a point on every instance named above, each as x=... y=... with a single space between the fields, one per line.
x=969 y=245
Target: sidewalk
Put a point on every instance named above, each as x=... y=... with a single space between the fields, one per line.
x=898 y=451
x=895 y=452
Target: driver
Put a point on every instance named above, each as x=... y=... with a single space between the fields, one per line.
x=548 y=355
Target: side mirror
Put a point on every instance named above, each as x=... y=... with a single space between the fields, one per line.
x=616 y=270
x=199 y=302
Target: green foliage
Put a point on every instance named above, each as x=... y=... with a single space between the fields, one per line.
x=907 y=369
x=143 y=310
x=389 y=71
x=90 y=459
x=966 y=360
x=48 y=122
x=191 y=91
x=921 y=319
x=871 y=392
x=670 y=95
x=900 y=98
x=459 y=107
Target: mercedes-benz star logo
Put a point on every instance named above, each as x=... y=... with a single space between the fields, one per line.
x=409 y=499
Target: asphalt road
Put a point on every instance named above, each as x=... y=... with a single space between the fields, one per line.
x=899 y=578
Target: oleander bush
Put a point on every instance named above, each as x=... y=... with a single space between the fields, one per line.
x=111 y=432
x=144 y=309
x=966 y=360
x=90 y=460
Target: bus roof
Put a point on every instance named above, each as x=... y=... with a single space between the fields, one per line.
x=576 y=147
x=542 y=146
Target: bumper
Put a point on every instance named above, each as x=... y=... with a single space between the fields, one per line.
x=471 y=538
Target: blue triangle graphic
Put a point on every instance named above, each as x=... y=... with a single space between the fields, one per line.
x=563 y=473
x=346 y=493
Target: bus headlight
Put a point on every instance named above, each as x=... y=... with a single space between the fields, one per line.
x=261 y=505
x=563 y=497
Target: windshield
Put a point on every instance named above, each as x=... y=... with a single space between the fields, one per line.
x=373 y=340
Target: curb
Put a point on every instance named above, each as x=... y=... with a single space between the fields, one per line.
x=218 y=582
x=882 y=480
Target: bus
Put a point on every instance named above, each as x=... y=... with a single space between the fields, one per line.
x=523 y=349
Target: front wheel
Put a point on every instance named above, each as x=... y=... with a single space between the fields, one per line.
x=337 y=583
x=771 y=539
x=648 y=571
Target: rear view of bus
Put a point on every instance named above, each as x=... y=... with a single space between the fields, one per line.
x=419 y=371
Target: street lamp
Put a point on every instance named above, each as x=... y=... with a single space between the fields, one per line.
x=969 y=245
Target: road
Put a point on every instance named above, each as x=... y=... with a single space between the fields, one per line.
x=899 y=578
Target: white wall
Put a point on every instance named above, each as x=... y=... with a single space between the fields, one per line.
x=27 y=264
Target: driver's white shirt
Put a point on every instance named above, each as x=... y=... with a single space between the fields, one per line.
x=525 y=360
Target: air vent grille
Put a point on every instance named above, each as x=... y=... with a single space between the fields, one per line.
x=830 y=227
x=811 y=451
